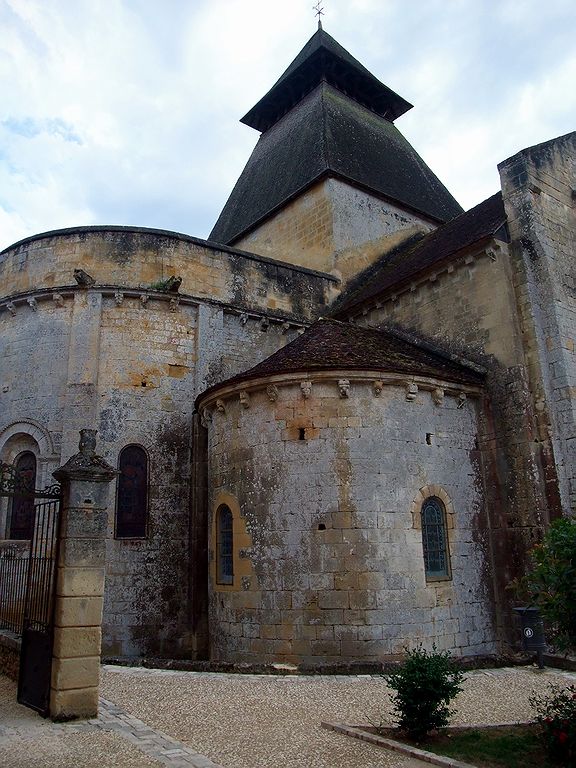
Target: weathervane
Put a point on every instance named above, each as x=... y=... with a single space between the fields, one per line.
x=319 y=12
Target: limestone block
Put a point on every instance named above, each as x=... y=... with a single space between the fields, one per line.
x=334 y=599
x=76 y=703
x=70 y=642
x=82 y=552
x=77 y=582
x=85 y=522
x=81 y=672
x=78 y=611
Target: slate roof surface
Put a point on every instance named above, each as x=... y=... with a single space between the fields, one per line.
x=333 y=345
x=329 y=134
x=322 y=58
x=408 y=260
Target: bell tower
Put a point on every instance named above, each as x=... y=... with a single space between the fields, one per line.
x=332 y=184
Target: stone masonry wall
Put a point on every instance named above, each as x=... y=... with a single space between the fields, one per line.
x=130 y=361
x=539 y=186
x=335 y=228
x=129 y=257
x=470 y=307
x=326 y=493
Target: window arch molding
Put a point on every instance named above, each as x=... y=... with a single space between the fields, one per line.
x=224 y=545
x=132 y=493
x=241 y=567
x=21 y=505
x=17 y=438
x=435 y=493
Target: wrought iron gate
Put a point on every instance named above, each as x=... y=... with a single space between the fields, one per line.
x=38 y=614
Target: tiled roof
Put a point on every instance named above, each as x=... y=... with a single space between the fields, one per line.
x=330 y=134
x=410 y=259
x=333 y=345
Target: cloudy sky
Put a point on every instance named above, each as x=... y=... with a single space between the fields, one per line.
x=126 y=111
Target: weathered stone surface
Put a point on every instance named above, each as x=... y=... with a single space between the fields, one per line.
x=78 y=673
x=332 y=525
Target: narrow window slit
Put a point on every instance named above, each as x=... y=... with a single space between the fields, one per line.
x=301 y=433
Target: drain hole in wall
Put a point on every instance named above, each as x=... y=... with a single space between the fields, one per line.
x=143 y=384
x=321 y=526
x=301 y=433
x=428 y=438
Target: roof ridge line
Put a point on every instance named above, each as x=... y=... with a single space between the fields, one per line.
x=411 y=337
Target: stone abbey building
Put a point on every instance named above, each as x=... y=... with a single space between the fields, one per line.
x=340 y=422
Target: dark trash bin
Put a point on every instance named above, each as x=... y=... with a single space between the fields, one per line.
x=532 y=632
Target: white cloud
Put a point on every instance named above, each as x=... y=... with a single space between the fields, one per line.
x=125 y=111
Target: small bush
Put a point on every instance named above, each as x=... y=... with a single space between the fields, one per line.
x=556 y=713
x=425 y=685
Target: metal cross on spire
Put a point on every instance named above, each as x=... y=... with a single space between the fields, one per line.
x=319 y=12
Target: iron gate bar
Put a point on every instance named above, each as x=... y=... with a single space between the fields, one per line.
x=38 y=628
x=14 y=563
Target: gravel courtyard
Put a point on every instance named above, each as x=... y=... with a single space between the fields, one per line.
x=158 y=718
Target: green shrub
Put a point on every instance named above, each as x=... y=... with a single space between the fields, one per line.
x=425 y=685
x=550 y=584
x=556 y=713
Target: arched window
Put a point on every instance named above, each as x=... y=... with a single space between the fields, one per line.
x=434 y=540
x=22 y=508
x=224 y=545
x=132 y=499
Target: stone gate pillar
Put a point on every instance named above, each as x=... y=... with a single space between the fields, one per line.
x=85 y=480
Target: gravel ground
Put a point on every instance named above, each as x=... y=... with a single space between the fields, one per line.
x=257 y=721
x=246 y=721
x=73 y=750
x=28 y=741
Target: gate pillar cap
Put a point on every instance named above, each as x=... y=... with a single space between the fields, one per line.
x=86 y=464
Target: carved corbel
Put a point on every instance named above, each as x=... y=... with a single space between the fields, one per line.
x=244 y=399
x=32 y=303
x=243 y=318
x=220 y=407
x=206 y=418
x=174 y=302
x=11 y=307
x=118 y=298
x=438 y=395
x=264 y=323
x=344 y=387
x=306 y=389
x=461 y=400
x=58 y=299
x=143 y=299
x=272 y=392
x=377 y=387
x=411 y=390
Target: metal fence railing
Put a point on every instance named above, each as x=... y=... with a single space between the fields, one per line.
x=14 y=564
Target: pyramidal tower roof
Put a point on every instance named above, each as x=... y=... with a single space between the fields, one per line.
x=328 y=116
x=324 y=60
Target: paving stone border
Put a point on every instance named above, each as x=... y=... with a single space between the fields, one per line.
x=155 y=744
x=397 y=746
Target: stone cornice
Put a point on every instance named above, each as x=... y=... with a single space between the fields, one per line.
x=344 y=382
x=31 y=300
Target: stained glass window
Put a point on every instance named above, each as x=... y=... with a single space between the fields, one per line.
x=132 y=499
x=434 y=540
x=22 y=508
x=225 y=545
